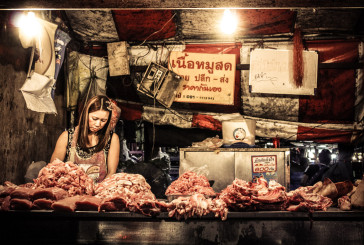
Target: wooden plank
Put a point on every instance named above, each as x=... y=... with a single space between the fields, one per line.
x=356 y=65
x=175 y=4
x=342 y=65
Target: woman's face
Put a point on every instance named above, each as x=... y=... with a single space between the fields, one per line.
x=97 y=120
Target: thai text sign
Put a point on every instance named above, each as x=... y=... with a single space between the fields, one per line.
x=208 y=78
x=262 y=164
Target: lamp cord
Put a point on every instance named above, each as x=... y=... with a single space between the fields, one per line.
x=31 y=59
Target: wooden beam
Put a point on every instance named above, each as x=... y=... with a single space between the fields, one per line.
x=339 y=66
x=177 y=4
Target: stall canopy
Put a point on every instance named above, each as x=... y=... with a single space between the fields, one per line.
x=333 y=114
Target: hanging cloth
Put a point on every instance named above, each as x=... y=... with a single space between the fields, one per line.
x=86 y=78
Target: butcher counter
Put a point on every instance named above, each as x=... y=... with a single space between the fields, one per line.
x=260 y=227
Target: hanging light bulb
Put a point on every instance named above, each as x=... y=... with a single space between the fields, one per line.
x=29 y=29
x=229 y=22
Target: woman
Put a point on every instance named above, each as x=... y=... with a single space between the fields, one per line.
x=91 y=145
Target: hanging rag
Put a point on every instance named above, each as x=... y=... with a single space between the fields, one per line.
x=37 y=93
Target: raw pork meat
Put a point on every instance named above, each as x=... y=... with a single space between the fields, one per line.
x=258 y=195
x=190 y=183
x=67 y=176
x=122 y=191
x=196 y=205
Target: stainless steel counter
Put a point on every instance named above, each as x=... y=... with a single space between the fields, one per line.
x=263 y=227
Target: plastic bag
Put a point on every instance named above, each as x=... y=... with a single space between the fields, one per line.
x=33 y=171
x=213 y=142
x=188 y=166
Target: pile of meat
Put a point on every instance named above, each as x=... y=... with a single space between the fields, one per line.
x=64 y=186
x=345 y=195
x=190 y=183
x=193 y=196
x=304 y=199
x=258 y=195
x=186 y=206
x=126 y=192
x=65 y=175
x=14 y=197
x=56 y=183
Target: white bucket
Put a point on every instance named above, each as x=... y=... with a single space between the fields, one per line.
x=238 y=131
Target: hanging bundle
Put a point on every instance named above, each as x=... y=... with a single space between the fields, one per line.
x=297 y=58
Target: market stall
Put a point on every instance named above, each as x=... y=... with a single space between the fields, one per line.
x=243 y=113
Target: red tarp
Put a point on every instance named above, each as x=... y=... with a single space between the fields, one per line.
x=266 y=21
x=335 y=98
x=140 y=25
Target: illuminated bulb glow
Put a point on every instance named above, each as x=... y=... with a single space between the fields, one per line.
x=29 y=25
x=229 y=22
x=311 y=154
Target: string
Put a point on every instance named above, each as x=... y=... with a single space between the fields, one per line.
x=158 y=30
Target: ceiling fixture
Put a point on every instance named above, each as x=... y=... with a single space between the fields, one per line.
x=30 y=28
x=229 y=22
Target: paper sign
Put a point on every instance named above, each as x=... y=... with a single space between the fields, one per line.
x=208 y=78
x=265 y=166
x=262 y=164
x=118 y=59
x=271 y=71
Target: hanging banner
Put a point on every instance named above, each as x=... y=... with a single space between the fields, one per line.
x=208 y=78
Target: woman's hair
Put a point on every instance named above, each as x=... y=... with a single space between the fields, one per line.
x=96 y=103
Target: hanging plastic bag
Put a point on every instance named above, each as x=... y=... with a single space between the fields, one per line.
x=37 y=92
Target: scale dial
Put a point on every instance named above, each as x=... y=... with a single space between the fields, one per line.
x=239 y=134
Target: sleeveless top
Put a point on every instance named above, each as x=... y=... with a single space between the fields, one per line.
x=93 y=163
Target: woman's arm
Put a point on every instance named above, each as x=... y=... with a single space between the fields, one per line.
x=61 y=147
x=113 y=157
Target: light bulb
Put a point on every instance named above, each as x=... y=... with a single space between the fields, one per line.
x=29 y=29
x=29 y=25
x=229 y=22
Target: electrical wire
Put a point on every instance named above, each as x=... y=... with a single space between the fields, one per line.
x=153 y=135
x=158 y=30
